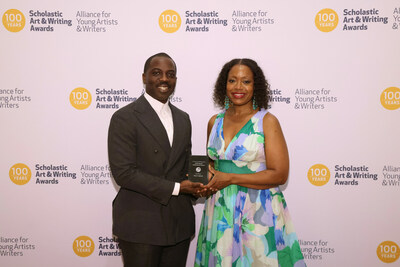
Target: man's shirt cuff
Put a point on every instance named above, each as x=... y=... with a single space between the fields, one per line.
x=177 y=188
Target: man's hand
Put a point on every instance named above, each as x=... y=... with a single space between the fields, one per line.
x=196 y=189
x=188 y=187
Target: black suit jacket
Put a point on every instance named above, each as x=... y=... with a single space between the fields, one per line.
x=146 y=167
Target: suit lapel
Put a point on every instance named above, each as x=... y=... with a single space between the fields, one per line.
x=150 y=120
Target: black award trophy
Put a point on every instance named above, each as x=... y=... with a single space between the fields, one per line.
x=198 y=169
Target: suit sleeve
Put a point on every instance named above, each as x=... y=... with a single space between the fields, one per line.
x=122 y=154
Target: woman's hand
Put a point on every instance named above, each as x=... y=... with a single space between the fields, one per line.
x=217 y=180
x=206 y=192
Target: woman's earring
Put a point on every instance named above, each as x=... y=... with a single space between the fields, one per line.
x=227 y=102
x=254 y=103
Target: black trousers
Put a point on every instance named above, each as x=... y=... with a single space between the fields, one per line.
x=144 y=255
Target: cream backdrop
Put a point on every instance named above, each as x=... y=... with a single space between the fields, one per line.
x=327 y=82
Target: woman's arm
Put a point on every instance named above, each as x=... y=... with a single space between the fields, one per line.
x=209 y=128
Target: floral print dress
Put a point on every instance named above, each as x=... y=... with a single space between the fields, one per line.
x=243 y=226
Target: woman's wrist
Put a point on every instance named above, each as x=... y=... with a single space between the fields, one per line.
x=231 y=177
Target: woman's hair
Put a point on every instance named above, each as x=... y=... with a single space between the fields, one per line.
x=261 y=86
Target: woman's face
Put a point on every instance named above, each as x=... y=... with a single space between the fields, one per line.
x=240 y=85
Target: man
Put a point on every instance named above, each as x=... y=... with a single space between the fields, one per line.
x=149 y=144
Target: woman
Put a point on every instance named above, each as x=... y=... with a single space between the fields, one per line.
x=246 y=222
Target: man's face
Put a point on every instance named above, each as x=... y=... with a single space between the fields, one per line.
x=160 y=78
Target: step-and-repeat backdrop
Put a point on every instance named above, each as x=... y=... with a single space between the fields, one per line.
x=66 y=67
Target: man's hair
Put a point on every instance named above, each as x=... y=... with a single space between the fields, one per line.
x=162 y=54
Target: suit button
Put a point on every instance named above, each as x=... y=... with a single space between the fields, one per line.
x=155 y=151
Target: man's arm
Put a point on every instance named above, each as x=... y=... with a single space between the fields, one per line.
x=122 y=153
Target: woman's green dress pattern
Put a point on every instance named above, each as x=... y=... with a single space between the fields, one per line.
x=243 y=226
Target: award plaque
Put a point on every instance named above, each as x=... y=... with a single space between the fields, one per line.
x=198 y=169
